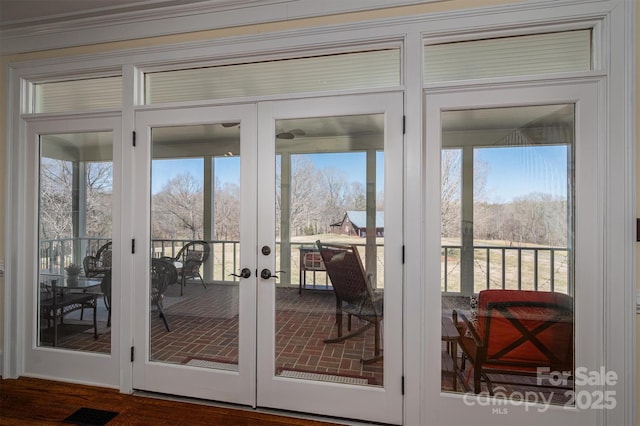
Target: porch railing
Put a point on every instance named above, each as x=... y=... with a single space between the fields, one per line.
x=534 y=268
x=56 y=254
x=503 y=267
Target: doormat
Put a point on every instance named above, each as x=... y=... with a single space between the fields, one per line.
x=211 y=363
x=323 y=377
x=90 y=417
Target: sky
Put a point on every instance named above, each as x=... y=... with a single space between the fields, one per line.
x=511 y=172
x=518 y=171
x=351 y=165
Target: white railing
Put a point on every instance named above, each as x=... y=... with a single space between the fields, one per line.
x=534 y=268
x=503 y=267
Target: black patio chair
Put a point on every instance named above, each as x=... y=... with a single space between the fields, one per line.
x=354 y=293
x=163 y=273
x=105 y=288
x=97 y=266
x=191 y=257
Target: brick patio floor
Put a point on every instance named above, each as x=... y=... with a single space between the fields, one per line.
x=204 y=326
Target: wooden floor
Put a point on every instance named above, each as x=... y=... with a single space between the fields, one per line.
x=42 y=402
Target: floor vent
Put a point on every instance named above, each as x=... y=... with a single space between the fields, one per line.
x=90 y=417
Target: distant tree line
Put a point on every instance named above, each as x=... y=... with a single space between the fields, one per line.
x=56 y=199
x=535 y=218
x=319 y=197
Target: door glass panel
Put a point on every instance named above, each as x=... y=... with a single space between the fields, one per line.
x=195 y=205
x=330 y=191
x=507 y=255
x=75 y=222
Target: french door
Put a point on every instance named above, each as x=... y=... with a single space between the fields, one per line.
x=234 y=200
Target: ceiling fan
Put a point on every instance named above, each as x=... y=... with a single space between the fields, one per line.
x=291 y=134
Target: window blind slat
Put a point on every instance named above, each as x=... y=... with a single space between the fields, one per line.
x=509 y=56
x=373 y=69
x=78 y=95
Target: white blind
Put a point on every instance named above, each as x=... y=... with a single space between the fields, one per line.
x=508 y=56
x=362 y=70
x=79 y=95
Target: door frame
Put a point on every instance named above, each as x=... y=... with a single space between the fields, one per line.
x=589 y=240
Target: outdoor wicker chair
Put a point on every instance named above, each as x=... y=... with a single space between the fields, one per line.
x=98 y=265
x=191 y=257
x=354 y=293
x=163 y=273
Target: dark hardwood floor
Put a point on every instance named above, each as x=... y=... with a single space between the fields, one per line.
x=42 y=402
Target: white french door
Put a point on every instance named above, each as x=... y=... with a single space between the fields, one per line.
x=177 y=155
x=507 y=154
x=260 y=184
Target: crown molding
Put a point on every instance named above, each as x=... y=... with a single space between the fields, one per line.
x=488 y=20
x=70 y=31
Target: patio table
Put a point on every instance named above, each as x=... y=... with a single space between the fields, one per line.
x=63 y=298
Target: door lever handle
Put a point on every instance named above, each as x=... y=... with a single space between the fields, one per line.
x=266 y=274
x=244 y=273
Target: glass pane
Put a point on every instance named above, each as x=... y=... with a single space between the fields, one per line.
x=360 y=70
x=507 y=177
x=78 y=95
x=75 y=195
x=195 y=241
x=329 y=193
x=508 y=56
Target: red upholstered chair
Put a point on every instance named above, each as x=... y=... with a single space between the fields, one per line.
x=517 y=332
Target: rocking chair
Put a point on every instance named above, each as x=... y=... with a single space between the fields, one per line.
x=354 y=293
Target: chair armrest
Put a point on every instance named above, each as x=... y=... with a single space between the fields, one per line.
x=470 y=327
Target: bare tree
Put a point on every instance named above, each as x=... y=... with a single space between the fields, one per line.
x=179 y=208
x=99 y=178
x=450 y=192
x=56 y=198
x=319 y=197
x=356 y=197
x=226 y=202
x=305 y=195
x=333 y=198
